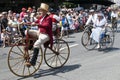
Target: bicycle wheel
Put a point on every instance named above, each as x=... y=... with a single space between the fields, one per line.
x=58 y=55
x=87 y=42
x=108 y=40
x=114 y=25
x=17 y=57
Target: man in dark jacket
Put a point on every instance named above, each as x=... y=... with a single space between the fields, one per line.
x=4 y=20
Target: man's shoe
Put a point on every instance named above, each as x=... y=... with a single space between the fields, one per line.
x=28 y=64
x=33 y=59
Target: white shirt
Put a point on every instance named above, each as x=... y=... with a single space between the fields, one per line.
x=100 y=23
x=4 y=35
x=42 y=19
x=56 y=17
x=91 y=18
x=114 y=14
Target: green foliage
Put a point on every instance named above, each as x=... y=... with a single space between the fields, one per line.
x=68 y=4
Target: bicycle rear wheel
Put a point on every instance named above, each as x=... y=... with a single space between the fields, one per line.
x=58 y=55
x=108 y=40
x=18 y=56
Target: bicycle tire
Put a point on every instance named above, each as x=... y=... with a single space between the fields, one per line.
x=58 y=60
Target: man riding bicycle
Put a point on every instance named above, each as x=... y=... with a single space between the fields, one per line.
x=92 y=17
x=44 y=33
x=114 y=17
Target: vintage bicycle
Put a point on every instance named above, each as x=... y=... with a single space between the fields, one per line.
x=20 y=53
x=114 y=23
x=107 y=39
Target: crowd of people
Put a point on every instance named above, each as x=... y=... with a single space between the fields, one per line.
x=67 y=19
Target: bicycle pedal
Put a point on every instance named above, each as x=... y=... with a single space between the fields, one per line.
x=28 y=64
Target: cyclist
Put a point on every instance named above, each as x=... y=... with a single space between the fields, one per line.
x=98 y=28
x=114 y=17
x=44 y=34
x=55 y=20
x=92 y=17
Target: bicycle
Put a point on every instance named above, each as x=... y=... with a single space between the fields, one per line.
x=114 y=23
x=106 y=41
x=19 y=53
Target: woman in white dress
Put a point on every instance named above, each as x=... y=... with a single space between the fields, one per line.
x=98 y=28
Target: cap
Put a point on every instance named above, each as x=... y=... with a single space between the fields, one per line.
x=92 y=10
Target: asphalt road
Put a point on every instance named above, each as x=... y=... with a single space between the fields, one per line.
x=82 y=64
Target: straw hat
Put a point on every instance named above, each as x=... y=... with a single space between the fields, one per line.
x=44 y=6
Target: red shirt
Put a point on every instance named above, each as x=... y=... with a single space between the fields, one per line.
x=54 y=18
x=46 y=27
x=22 y=14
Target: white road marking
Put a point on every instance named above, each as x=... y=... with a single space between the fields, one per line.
x=69 y=46
x=73 y=45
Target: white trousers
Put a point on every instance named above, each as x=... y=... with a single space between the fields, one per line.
x=42 y=38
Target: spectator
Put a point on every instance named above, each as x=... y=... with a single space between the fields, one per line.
x=4 y=20
x=65 y=26
x=23 y=13
x=5 y=38
x=0 y=26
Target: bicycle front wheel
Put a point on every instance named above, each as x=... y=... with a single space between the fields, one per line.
x=18 y=56
x=87 y=42
x=58 y=55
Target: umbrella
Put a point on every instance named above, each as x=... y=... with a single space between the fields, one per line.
x=101 y=2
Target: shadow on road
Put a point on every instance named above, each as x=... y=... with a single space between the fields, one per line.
x=64 y=69
x=54 y=72
x=109 y=49
x=71 y=41
x=117 y=31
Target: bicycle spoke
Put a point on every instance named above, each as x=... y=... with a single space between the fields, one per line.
x=20 y=66
x=34 y=68
x=29 y=70
x=16 y=53
x=59 y=60
x=37 y=62
x=50 y=58
x=16 y=58
x=59 y=46
x=56 y=60
x=17 y=63
x=63 y=57
x=50 y=54
x=23 y=70
x=20 y=50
